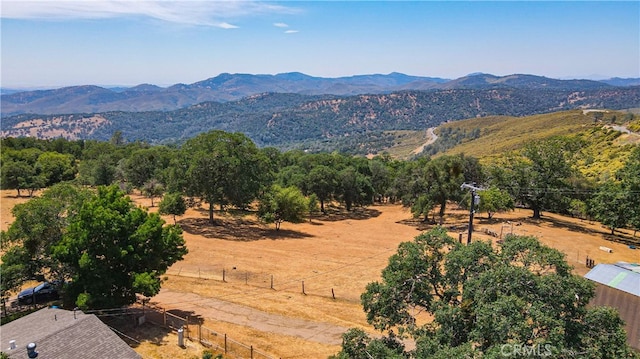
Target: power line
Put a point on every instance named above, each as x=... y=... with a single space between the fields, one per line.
x=564 y=190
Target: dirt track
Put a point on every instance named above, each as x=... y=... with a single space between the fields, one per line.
x=432 y=137
x=324 y=333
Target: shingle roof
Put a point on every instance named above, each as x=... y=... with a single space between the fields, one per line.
x=63 y=334
x=623 y=276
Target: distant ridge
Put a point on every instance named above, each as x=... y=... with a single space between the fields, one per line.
x=230 y=87
x=285 y=119
x=617 y=81
x=521 y=81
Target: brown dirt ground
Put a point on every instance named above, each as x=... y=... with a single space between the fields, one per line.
x=340 y=252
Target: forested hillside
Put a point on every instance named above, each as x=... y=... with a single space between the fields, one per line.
x=286 y=120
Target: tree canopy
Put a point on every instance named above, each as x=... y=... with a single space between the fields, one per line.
x=101 y=243
x=38 y=226
x=221 y=168
x=484 y=300
x=173 y=204
x=283 y=204
x=425 y=183
x=540 y=175
x=492 y=200
x=227 y=169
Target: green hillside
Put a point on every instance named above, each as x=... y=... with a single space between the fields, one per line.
x=604 y=144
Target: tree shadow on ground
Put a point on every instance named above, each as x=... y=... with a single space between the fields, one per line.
x=618 y=237
x=419 y=223
x=146 y=332
x=626 y=240
x=15 y=196
x=528 y=220
x=339 y=214
x=236 y=229
x=489 y=221
x=193 y=317
x=571 y=226
x=451 y=221
x=560 y=223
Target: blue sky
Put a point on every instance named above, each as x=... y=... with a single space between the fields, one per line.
x=61 y=43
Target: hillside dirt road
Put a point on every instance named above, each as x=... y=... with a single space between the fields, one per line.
x=431 y=138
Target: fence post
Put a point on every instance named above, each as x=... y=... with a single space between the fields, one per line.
x=225 y=343
x=303 y=288
x=246 y=278
x=164 y=317
x=272 y=281
x=188 y=332
x=333 y=294
x=252 y=352
x=223 y=276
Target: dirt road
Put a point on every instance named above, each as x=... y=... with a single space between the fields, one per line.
x=323 y=333
x=431 y=138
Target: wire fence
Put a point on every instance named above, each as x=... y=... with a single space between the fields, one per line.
x=345 y=282
x=263 y=280
x=191 y=327
x=225 y=344
x=342 y=282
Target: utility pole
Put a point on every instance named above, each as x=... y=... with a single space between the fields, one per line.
x=475 y=200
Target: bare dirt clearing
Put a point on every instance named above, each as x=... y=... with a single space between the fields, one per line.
x=338 y=253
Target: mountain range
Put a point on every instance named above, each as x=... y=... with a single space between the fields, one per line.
x=319 y=122
x=231 y=87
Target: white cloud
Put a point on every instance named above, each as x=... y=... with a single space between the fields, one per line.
x=226 y=25
x=291 y=31
x=280 y=24
x=190 y=12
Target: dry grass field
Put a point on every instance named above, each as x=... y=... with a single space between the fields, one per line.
x=336 y=254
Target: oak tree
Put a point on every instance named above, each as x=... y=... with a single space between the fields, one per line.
x=173 y=204
x=221 y=168
x=482 y=299
x=283 y=204
x=114 y=249
x=102 y=243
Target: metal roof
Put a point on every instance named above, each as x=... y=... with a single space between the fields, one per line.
x=622 y=276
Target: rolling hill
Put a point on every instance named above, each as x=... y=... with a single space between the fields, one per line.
x=232 y=87
x=289 y=120
x=604 y=137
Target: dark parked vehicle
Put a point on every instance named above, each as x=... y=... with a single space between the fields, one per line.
x=41 y=293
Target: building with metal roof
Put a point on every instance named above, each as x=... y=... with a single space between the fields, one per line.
x=618 y=286
x=622 y=276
